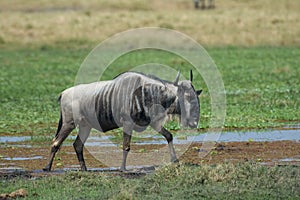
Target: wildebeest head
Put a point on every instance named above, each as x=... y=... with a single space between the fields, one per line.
x=188 y=104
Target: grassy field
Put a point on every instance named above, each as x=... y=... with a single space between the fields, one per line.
x=226 y=181
x=262 y=84
x=255 y=45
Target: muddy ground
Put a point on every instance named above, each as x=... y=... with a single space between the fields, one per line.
x=266 y=153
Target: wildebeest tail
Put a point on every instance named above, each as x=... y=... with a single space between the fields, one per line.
x=60 y=118
x=59 y=98
x=59 y=125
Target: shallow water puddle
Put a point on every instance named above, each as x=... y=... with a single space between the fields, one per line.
x=144 y=139
x=245 y=136
x=264 y=136
x=274 y=147
x=5 y=139
x=23 y=158
x=289 y=160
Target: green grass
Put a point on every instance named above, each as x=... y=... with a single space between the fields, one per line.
x=226 y=181
x=31 y=81
x=262 y=84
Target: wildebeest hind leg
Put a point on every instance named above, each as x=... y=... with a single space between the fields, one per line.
x=58 y=140
x=84 y=132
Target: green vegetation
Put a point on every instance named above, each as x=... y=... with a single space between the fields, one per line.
x=226 y=181
x=262 y=84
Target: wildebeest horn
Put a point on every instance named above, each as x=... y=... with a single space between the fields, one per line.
x=177 y=78
x=191 y=75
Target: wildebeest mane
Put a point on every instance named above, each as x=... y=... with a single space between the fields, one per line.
x=147 y=75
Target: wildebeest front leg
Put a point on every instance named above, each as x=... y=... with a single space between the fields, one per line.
x=169 y=138
x=127 y=132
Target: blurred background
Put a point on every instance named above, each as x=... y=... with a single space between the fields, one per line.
x=230 y=22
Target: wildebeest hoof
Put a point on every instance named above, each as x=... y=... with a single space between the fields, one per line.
x=46 y=169
x=83 y=168
x=175 y=160
x=123 y=169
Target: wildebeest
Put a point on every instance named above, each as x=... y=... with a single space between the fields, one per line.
x=131 y=100
x=211 y=4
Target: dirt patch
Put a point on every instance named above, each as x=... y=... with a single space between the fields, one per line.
x=268 y=153
x=13 y=195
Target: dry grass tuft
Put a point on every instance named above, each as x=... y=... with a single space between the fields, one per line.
x=244 y=23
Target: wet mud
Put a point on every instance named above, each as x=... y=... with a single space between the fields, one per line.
x=15 y=159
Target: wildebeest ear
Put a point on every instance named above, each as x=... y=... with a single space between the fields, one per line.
x=198 y=92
